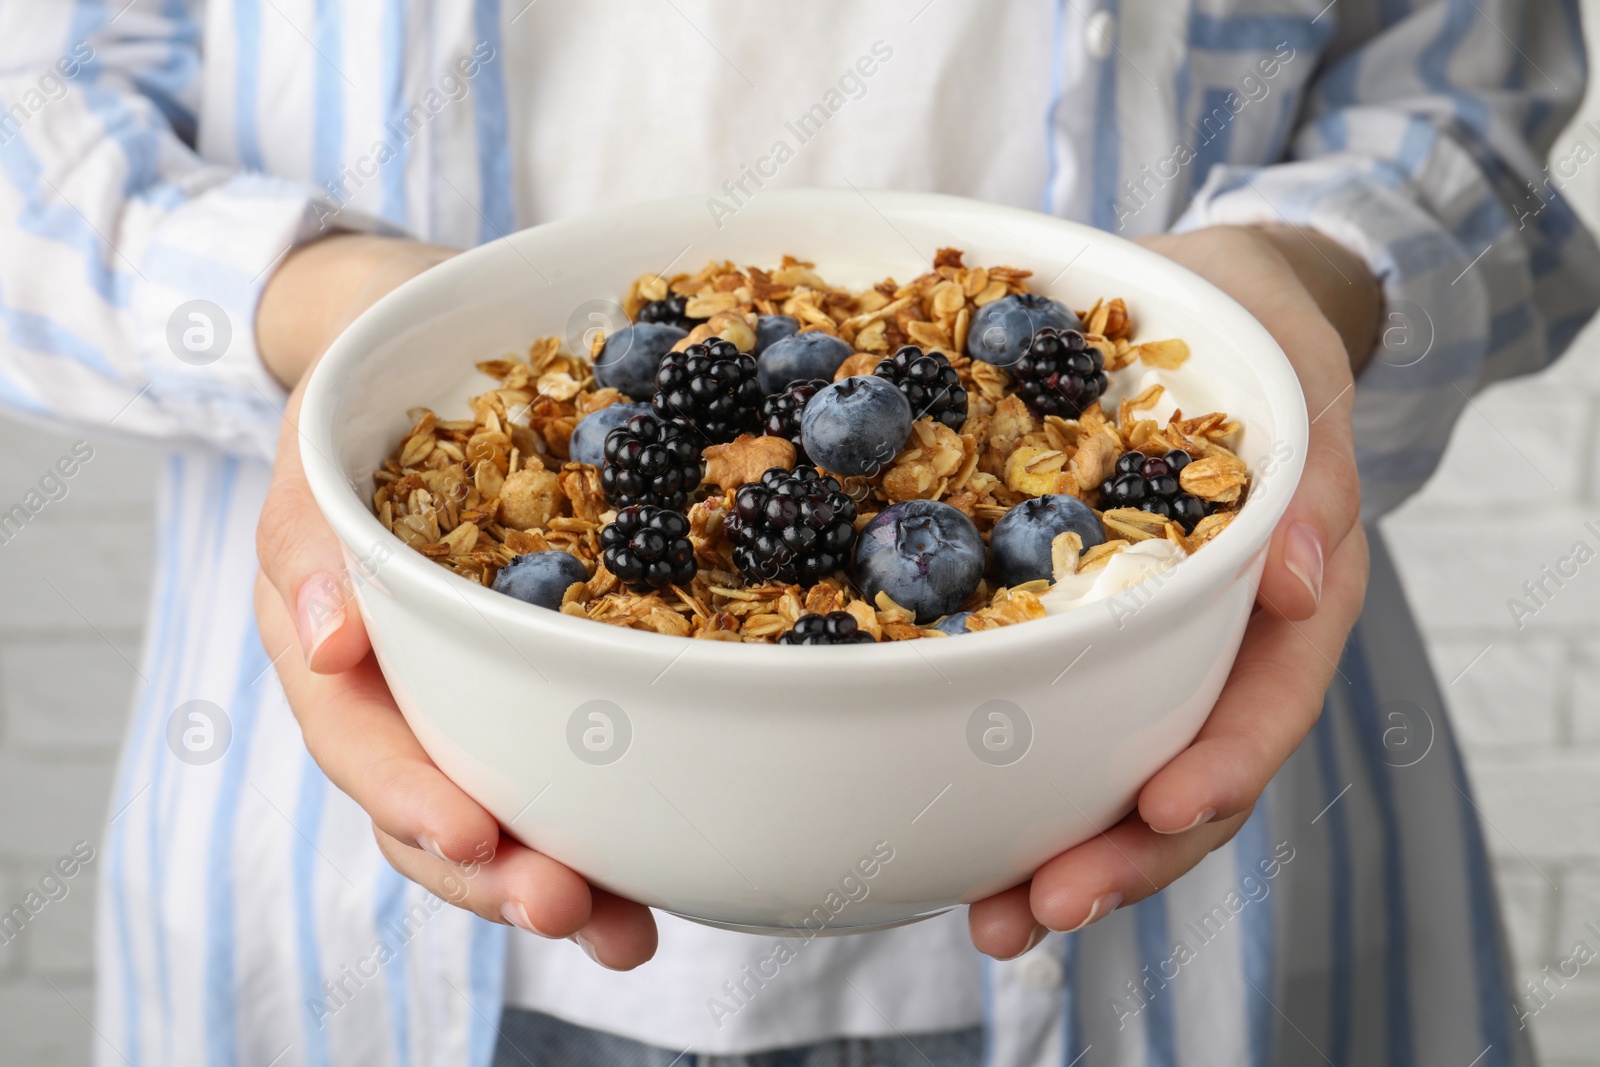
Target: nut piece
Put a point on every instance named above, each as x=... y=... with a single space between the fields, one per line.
x=1066 y=548
x=1219 y=478
x=530 y=499
x=1039 y=472
x=746 y=459
x=1094 y=461
x=733 y=327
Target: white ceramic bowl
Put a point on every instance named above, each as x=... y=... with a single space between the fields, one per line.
x=778 y=787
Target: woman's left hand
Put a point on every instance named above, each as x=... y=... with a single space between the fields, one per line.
x=1322 y=305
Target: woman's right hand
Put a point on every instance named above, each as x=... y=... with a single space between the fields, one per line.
x=427 y=828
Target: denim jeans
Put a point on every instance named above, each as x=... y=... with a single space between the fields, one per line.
x=533 y=1039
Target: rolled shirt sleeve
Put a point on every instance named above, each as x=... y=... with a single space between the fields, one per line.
x=1423 y=150
x=130 y=268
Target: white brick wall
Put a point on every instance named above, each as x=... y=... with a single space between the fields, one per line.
x=1528 y=708
x=65 y=684
x=1521 y=480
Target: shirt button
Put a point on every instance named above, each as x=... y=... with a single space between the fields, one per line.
x=1040 y=970
x=1098 y=34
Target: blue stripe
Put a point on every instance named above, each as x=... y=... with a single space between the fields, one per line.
x=389 y=918
x=1539 y=111
x=1211 y=145
x=1259 y=934
x=1256 y=33
x=328 y=92
x=1415 y=144
x=1334 y=130
x=1510 y=325
x=1047 y=201
x=1182 y=91
x=37 y=333
x=1433 y=65
x=986 y=965
x=1365 y=711
x=1288 y=109
x=247 y=82
x=486 y=972
x=1339 y=86
x=116 y=858
x=1495 y=1002
x=493 y=133
x=303 y=865
x=221 y=978
x=1107 y=138
x=1341 y=932
x=1154 y=946
x=174 y=677
x=45 y=215
x=207 y=279
x=394 y=106
x=1575 y=35
x=1482 y=224
x=169 y=85
x=1071 y=1003
x=1390 y=11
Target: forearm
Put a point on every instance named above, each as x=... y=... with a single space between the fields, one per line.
x=320 y=287
x=1338 y=280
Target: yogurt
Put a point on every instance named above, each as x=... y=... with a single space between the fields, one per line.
x=1124 y=570
x=1161 y=411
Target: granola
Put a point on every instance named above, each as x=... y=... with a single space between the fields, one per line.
x=473 y=494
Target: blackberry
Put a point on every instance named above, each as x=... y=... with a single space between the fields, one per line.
x=929 y=382
x=711 y=389
x=792 y=526
x=1059 y=373
x=834 y=628
x=780 y=412
x=1150 y=483
x=649 y=461
x=648 y=547
x=671 y=311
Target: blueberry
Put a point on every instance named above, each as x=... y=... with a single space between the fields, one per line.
x=856 y=426
x=812 y=354
x=926 y=555
x=1001 y=327
x=630 y=357
x=588 y=442
x=954 y=625
x=1020 y=542
x=770 y=329
x=540 y=578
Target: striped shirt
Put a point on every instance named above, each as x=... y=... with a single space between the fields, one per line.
x=172 y=150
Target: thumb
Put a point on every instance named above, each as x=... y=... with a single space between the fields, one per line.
x=301 y=556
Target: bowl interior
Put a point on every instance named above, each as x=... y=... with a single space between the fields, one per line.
x=418 y=346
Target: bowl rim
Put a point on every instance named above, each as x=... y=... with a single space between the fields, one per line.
x=423 y=584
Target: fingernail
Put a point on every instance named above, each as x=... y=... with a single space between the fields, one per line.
x=431 y=847
x=516 y=913
x=1038 y=935
x=1302 y=554
x=319 y=612
x=588 y=948
x=1103 y=905
x=1205 y=816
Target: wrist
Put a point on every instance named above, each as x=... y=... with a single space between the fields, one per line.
x=1344 y=288
x=320 y=287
